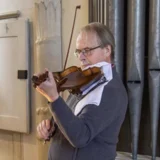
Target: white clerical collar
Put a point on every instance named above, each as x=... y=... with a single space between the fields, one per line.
x=106 y=69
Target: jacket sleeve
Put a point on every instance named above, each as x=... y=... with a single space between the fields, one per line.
x=80 y=130
x=55 y=127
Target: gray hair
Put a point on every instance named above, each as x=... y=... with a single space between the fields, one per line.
x=103 y=34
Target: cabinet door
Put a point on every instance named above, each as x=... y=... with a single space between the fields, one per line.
x=14 y=76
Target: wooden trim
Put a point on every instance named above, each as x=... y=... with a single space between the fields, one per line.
x=8 y=15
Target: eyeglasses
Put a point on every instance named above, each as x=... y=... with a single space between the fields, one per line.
x=85 y=51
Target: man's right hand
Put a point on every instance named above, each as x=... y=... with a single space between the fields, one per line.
x=45 y=129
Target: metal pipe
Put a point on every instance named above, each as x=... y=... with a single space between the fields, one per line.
x=90 y=13
x=154 y=70
x=116 y=25
x=154 y=94
x=135 y=66
x=154 y=35
x=135 y=40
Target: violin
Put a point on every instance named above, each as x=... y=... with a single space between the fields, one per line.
x=71 y=79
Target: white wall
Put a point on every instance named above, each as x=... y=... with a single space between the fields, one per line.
x=19 y=146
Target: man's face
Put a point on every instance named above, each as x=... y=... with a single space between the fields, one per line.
x=88 y=41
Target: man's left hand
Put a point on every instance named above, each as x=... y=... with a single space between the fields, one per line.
x=48 y=88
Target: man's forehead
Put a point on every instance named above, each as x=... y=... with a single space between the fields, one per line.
x=87 y=37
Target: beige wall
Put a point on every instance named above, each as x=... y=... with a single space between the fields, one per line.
x=15 y=146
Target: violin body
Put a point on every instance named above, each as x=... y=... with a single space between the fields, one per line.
x=71 y=79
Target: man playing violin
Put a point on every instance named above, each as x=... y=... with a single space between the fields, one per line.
x=87 y=125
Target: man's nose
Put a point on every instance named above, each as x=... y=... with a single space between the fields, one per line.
x=81 y=55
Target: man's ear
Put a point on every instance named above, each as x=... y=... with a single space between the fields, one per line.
x=108 y=50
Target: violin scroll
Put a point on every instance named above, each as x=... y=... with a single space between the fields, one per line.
x=43 y=77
